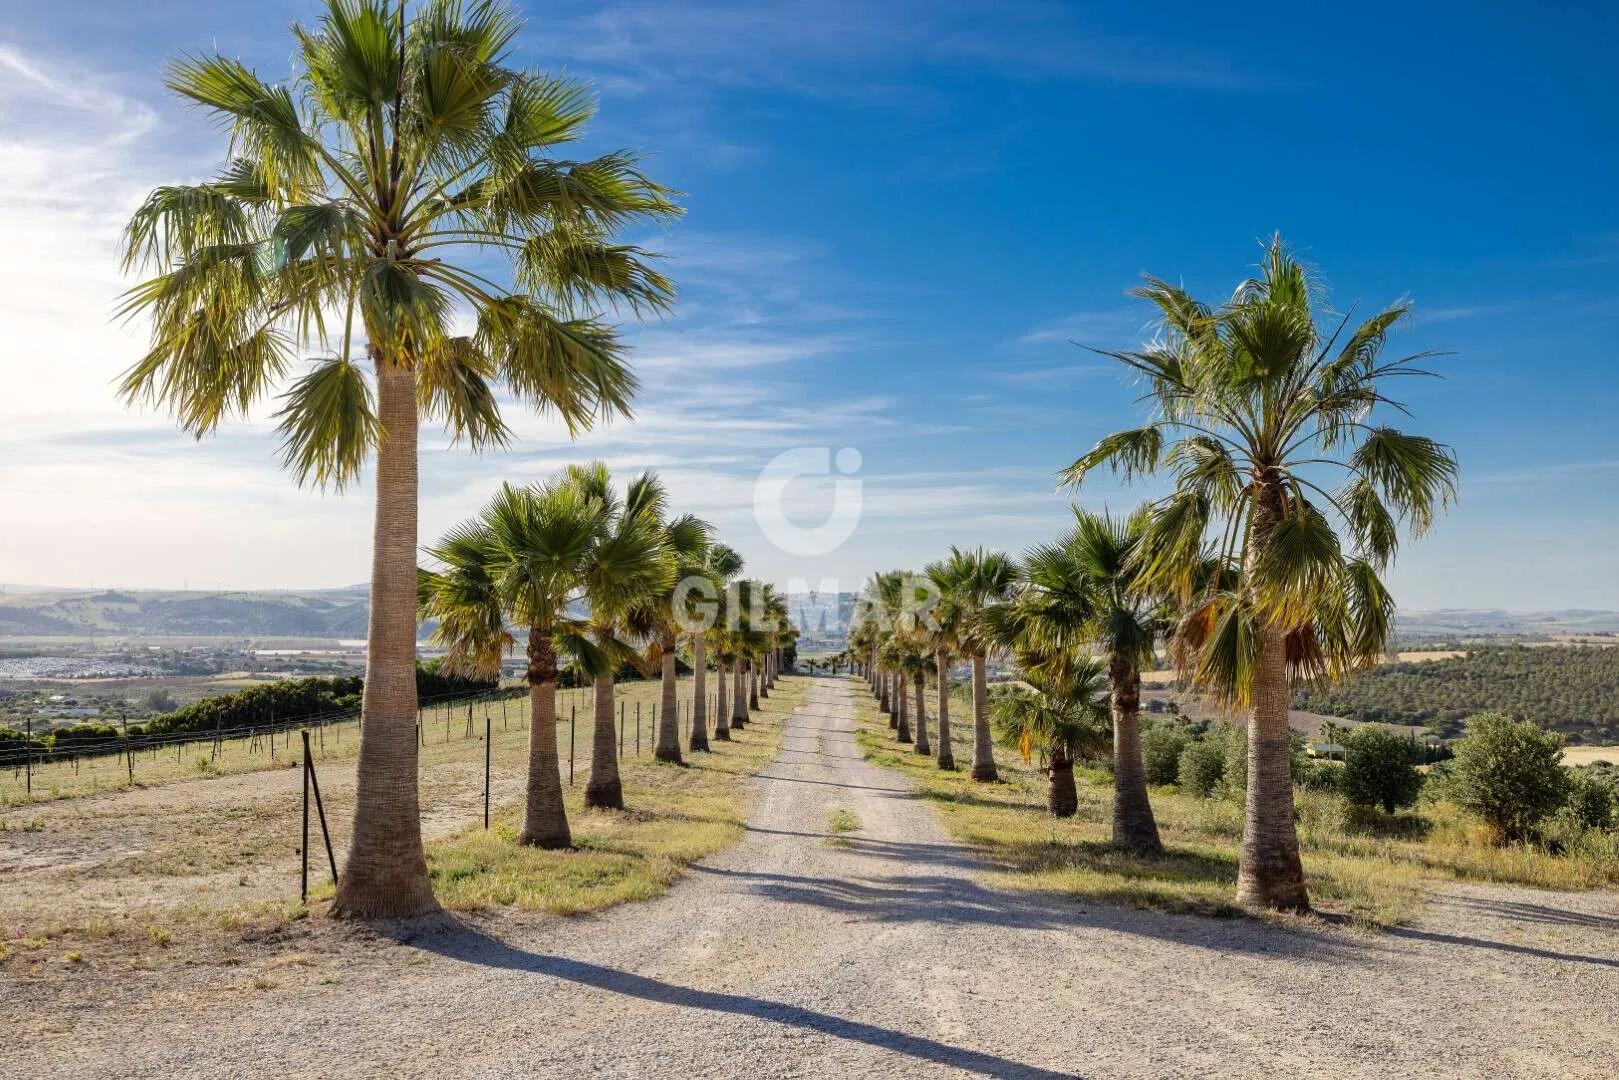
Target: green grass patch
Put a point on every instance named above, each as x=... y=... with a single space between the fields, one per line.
x=1375 y=875
x=676 y=815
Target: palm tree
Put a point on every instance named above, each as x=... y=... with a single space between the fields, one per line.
x=1062 y=717
x=1086 y=589
x=620 y=600
x=720 y=565
x=942 y=634
x=1266 y=424
x=354 y=220
x=524 y=560
x=669 y=613
x=914 y=661
x=970 y=583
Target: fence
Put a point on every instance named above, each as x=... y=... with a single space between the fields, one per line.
x=127 y=760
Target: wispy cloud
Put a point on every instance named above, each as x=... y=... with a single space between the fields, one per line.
x=1086 y=328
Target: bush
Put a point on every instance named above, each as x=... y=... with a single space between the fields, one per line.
x=1591 y=798
x=1318 y=775
x=1380 y=769
x=1509 y=773
x=1161 y=748
x=1201 y=766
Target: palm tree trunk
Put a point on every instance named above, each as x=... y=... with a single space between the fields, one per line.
x=1062 y=799
x=1269 y=871
x=668 y=745
x=604 y=790
x=545 y=819
x=902 y=720
x=947 y=757
x=765 y=677
x=739 y=694
x=722 y=704
x=753 y=686
x=385 y=874
x=699 y=695
x=1134 y=828
x=922 y=746
x=983 y=744
x=882 y=693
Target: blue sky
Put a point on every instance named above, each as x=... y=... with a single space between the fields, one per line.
x=899 y=217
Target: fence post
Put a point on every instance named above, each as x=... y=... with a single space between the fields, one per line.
x=129 y=755
x=637 y=729
x=303 y=848
x=573 y=711
x=28 y=754
x=620 y=728
x=320 y=808
x=487 y=743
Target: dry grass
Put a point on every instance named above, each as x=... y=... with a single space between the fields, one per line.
x=194 y=873
x=445 y=736
x=1588 y=755
x=1375 y=874
x=677 y=815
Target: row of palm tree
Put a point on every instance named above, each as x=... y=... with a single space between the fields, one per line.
x=579 y=570
x=358 y=218
x=1262 y=568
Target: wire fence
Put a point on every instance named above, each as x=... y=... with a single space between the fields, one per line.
x=128 y=760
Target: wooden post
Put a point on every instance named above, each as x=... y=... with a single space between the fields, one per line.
x=487 y=751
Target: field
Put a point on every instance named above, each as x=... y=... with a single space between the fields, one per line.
x=1571 y=689
x=115 y=873
x=1588 y=755
x=1378 y=874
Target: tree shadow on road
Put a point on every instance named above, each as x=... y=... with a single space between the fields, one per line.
x=950 y=898
x=460 y=942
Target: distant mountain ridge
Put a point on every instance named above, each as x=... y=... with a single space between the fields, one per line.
x=342 y=613
x=323 y=613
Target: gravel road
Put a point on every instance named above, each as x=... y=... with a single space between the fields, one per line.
x=876 y=953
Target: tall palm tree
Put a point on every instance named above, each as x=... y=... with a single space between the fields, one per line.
x=354 y=220
x=620 y=601
x=524 y=560
x=1062 y=717
x=1086 y=590
x=970 y=583
x=720 y=565
x=1269 y=427
x=669 y=614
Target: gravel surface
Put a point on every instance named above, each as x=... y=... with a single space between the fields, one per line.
x=877 y=953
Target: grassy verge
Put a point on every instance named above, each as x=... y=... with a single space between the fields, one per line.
x=677 y=815
x=1374 y=878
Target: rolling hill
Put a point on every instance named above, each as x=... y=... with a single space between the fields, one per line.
x=324 y=613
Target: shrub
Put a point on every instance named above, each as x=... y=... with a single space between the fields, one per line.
x=1161 y=748
x=1380 y=769
x=1201 y=766
x=1590 y=800
x=1508 y=772
x=1318 y=775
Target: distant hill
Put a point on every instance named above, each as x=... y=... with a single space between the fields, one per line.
x=326 y=613
x=1456 y=624
x=1573 y=689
